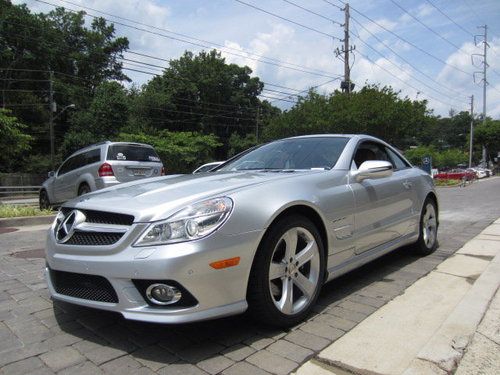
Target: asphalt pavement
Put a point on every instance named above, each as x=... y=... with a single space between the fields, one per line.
x=43 y=337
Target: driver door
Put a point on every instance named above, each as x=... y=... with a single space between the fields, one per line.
x=383 y=205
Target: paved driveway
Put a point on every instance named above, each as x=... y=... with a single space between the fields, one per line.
x=38 y=336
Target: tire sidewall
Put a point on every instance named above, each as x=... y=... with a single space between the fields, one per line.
x=421 y=247
x=43 y=198
x=82 y=188
x=260 y=270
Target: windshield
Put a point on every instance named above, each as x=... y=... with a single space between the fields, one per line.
x=294 y=153
x=132 y=153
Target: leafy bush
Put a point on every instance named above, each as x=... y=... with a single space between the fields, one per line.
x=180 y=152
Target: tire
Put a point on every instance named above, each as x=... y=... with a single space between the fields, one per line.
x=428 y=229
x=43 y=200
x=287 y=272
x=83 y=189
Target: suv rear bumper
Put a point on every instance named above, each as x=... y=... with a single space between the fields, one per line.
x=104 y=182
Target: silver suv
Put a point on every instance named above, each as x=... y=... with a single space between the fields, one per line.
x=99 y=166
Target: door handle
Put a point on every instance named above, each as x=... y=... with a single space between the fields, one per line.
x=407 y=184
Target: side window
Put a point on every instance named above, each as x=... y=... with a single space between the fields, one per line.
x=92 y=156
x=64 y=167
x=370 y=151
x=78 y=162
x=397 y=161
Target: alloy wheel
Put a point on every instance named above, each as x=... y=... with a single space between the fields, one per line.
x=294 y=271
x=429 y=226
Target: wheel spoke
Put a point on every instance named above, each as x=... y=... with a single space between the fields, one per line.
x=290 y=238
x=286 y=301
x=276 y=270
x=432 y=222
x=305 y=285
x=307 y=253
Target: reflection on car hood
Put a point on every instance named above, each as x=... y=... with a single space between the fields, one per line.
x=157 y=198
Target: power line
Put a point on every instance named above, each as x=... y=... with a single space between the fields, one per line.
x=200 y=42
x=408 y=42
x=312 y=12
x=426 y=26
x=288 y=20
x=401 y=57
x=401 y=80
x=449 y=18
x=332 y=4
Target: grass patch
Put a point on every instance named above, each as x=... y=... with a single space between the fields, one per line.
x=7 y=210
x=441 y=182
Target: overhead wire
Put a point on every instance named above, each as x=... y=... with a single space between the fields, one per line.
x=288 y=20
x=449 y=18
x=425 y=25
x=403 y=59
x=408 y=42
x=198 y=42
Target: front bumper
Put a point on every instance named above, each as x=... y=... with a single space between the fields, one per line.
x=218 y=293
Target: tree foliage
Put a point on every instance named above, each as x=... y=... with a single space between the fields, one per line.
x=180 y=152
x=374 y=110
x=14 y=143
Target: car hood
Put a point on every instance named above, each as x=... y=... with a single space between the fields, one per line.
x=160 y=197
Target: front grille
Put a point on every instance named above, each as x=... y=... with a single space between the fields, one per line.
x=89 y=287
x=93 y=238
x=101 y=217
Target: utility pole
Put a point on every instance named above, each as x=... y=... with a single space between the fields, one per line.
x=52 y=109
x=471 y=129
x=483 y=80
x=346 y=85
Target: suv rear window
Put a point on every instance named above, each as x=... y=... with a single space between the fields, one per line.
x=132 y=153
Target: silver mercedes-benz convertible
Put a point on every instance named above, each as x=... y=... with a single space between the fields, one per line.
x=263 y=231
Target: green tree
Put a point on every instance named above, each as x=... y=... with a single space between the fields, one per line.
x=180 y=152
x=103 y=120
x=81 y=57
x=371 y=110
x=488 y=135
x=14 y=143
x=201 y=93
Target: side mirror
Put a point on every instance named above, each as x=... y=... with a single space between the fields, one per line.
x=373 y=169
x=51 y=174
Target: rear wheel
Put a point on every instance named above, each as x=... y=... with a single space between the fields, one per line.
x=83 y=189
x=287 y=273
x=427 y=239
x=43 y=200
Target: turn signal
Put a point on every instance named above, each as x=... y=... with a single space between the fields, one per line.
x=220 y=264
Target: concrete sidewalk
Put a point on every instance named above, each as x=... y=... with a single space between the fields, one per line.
x=446 y=322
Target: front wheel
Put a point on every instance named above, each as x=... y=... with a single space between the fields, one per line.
x=427 y=239
x=287 y=273
x=44 y=201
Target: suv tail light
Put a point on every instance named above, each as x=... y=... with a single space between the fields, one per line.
x=162 y=173
x=105 y=170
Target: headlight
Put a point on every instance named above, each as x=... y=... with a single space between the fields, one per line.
x=191 y=223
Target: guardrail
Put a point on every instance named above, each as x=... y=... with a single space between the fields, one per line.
x=18 y=191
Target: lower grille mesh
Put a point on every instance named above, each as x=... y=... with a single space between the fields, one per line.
x=89 y=287
x=94 y=238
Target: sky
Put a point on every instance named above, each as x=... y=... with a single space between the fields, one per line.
x=422 y=48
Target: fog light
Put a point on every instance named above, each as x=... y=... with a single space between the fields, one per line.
x=163 y=294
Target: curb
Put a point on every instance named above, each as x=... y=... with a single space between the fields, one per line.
x=442 y=350
x=447 y=346
x=26 y=220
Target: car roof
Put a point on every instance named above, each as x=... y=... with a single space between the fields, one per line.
x=97 y=145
